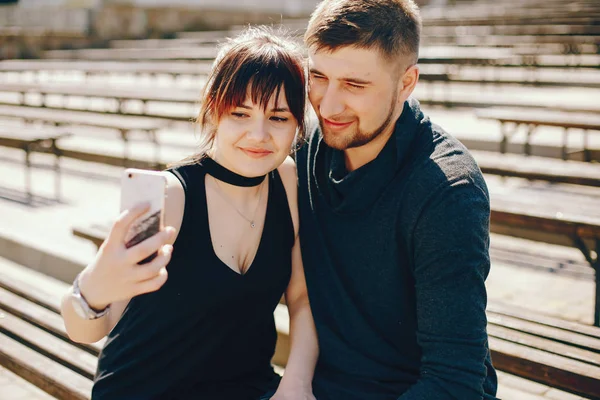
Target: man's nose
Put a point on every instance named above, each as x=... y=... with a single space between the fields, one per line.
x=331 y=103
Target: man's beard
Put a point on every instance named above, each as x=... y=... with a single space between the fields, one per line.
x=357 y=138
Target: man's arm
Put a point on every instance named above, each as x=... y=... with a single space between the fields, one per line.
x=451 y=262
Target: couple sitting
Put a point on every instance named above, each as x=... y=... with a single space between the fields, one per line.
x=383 y=225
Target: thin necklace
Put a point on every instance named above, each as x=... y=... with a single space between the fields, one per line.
x=224 y=197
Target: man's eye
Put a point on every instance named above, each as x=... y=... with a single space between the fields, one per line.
x=319 y=77
x=239 y=114
x=279 y=119
x=355 y=86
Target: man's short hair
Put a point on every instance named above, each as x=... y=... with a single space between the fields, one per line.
x=391 y=26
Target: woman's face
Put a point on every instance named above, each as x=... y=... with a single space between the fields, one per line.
x=253 y=142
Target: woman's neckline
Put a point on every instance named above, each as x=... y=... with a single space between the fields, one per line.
x=223 y=174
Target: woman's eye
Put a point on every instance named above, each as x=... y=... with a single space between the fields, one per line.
x=319 y=77
x=239 y=114
x=279 y=119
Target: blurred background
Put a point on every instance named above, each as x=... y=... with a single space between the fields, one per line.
x=89 y=87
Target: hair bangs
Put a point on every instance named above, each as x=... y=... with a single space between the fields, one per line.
x=257 y=78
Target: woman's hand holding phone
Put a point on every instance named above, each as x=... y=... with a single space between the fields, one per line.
x=115 y=274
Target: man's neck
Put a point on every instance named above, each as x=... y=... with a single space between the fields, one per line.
x=358 y=156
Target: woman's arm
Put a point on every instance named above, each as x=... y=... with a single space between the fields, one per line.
x=297 y=379
x=114 y=277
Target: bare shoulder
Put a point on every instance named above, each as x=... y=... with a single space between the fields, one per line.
x=287 y=171
x=174 y=202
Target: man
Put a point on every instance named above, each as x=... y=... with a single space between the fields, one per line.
x=394 y=220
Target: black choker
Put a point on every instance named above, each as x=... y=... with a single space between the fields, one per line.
x=221 y=173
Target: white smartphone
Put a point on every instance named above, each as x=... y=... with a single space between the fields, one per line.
x=141 y=186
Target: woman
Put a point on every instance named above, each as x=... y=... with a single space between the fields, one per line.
x=232 y=249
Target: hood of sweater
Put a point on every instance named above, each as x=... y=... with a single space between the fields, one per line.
x=353 y=192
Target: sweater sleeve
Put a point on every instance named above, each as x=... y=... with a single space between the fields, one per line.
x=450 y=250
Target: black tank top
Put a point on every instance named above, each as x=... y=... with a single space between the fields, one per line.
x=209 y=332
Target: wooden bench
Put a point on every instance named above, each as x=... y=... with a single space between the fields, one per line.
x=206 y=53
x=164 y=43
x=536 y=82
x=123 y=124
x=533 y=119
x=206 y=35
x=13 y=383
x=119 y=95
x=556 y=44
x=516 y=29
x=30 y=141
x=90 y=68
x=551 y=224
x=538 y=168
x=558 y=353
x=33 y=342
x=35 y=346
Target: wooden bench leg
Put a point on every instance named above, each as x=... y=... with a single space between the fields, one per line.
x=504 y=142
x=28 y=174
x=596 y=266
x=565 y=151
x=154 y=138
x=594 y=261
x=57 y=177
x=506 y=135
x=120 y=106
x=586 y=151
x=530 y=130
x=125 y=147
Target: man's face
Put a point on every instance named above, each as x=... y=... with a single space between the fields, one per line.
x=355 y=94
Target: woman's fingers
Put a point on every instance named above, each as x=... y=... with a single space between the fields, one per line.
x=153 y=284
x=122 y=224
x=148 y=271
x=149 y=246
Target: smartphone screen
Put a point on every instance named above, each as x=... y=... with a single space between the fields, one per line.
x=141 y=186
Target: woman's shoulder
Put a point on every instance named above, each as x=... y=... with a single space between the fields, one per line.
x=289 y=177
x=174 y=200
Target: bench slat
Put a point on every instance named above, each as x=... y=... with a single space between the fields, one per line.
x=536 y=365
x=524 y=314
x=500 y=331
x=533 y=167
x=21 y=134
x=178 y=96
x=575 y=339
x=142 y=67
x=564 y=120
x=83 y=118
x=44 y=373
x=10 y=382
x=41 y=317
x=32 y=285
x=42 y=342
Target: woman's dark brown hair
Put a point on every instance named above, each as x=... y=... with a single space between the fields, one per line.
x=258 y=63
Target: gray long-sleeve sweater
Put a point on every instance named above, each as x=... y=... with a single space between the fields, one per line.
x=395 y=256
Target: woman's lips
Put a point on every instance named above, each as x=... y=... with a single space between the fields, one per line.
x=256 y=153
